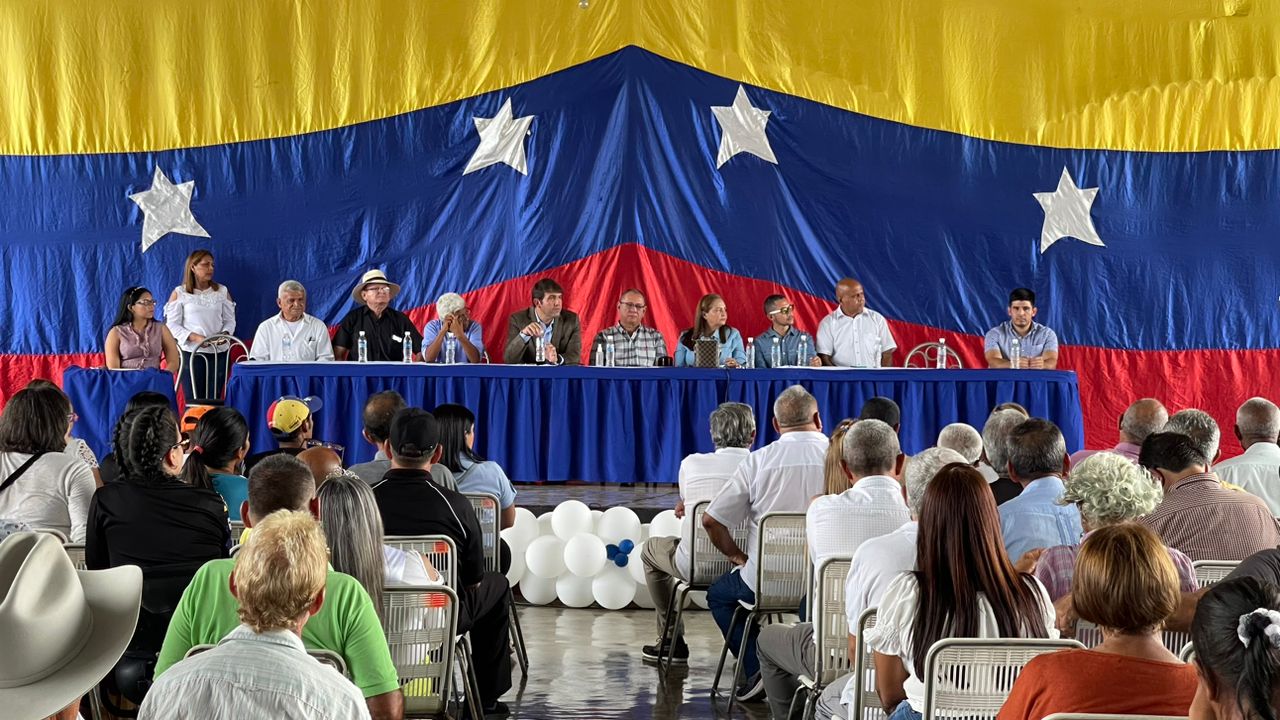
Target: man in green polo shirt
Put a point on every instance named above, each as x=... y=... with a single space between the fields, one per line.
x=347 y=623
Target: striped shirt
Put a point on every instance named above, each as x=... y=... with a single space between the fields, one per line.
x=1057 y=567
x=1209 y=522
x=641 y=348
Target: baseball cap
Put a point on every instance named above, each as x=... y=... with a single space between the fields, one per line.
x=414 y=433
x=191 y=417
x=289 y=412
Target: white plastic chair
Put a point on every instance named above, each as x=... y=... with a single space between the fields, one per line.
x=1209 y=572
x=971 y=678
x=830 y=631
x=237 y=529
x=1188 y=653
x=421 y=624
x=440 y=551
x=489 y=513
x=75 y=551
x=867 y=701
x=925 y=355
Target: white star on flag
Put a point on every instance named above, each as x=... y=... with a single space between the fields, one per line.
x=501 y=141
x=166 y=208
x=742 y=130
x=1067 y=213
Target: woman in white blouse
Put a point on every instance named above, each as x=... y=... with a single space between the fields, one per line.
x=197 y=309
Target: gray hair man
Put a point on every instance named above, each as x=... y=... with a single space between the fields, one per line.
x=1258 y=469
x=780 y=477
x=964 y=439
x=995 y=444
x=1038 y=461
x=1201 y=428
x=1139 y=420
x=454 y=318
x=291 y=335
x=702 y=475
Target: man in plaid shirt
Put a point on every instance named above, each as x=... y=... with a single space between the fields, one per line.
x=635 y=344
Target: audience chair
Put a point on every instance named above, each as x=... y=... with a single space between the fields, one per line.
x=420 y=624
x=781 y=560
x=971 y=678
x=1209 y=572
x=203 y=371
x=925 y=356
x=1187 y=653
x=1097 y=716
x=325 y=657
x=488 y=512
x=867 y=700
x=1174 y=641
x=75 y=551
x=237 y=529
x=439 y=549
x=831 y=631
x=1088 y=634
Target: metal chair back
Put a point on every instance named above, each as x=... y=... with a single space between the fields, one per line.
x=324 y=657
x=215 y=353
x=925 y=355
x=781 y=562
x=237 y=529
x=867 y=701
x=421 y=626
x=1088 y=634
x=971 y=678
x=489 y=514
x=75 y=551
x=830 y=628
x=1188 y=653
x=706 y=562
x=440 y=550
x=1209 y=572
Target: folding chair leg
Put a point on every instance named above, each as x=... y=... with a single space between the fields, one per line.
x=673 y=622
x=738 y=669
x=668 y=628
x=724 y=652
x=517 y=637
x=791 y=709
x=811 y=703
x=470 y=685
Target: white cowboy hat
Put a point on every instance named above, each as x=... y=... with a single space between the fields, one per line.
x=63 y=629
x=373 y=277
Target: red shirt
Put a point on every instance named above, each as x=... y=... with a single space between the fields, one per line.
x=1085 y=681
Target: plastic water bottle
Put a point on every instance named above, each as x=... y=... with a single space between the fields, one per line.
x=599 y=355
x=406 y=348
x=942 y=354
x=751 y=353
x=610 y=352
x=802 y=352
x=875 y=359
x=362 y=348
x=539 y=351
x=288 y=348
x=1015 y=353
x=450 y=349
x=775 y=355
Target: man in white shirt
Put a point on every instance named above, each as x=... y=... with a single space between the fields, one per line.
x=854 y=335
x=292 y=335
x=780 y=477
x=1258 y=469
x=261 y=669
x=666 y=559
x=836 y=526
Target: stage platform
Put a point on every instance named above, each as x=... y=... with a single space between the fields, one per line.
x=647 y=500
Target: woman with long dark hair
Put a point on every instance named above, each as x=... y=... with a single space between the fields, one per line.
x=711 y=321
x=136 y=339
x=1236 y=634
x=217 y=449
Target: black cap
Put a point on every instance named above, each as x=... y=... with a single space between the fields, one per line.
x=414 y=433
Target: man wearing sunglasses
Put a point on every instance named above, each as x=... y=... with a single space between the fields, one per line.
x=782 y=320
x=634 y=343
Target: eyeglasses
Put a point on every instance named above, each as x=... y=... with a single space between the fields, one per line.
x=377 y=288
x=783 y=310
x=638 y=307
x=146 y=303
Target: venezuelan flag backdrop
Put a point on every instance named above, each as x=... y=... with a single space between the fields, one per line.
x=1119 y=158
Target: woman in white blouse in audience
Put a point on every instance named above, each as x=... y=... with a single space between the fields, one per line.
x=197 y=309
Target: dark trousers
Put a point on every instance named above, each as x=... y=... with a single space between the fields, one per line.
x=723 y=597
x=484 y=612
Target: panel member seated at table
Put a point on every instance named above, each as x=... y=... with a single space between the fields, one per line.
x=634 y=343
x=384 y=327
x=854 y=335
x=1038 y=345
x=559 y=329
x=291 y=424
x=292 y=335
x=711 y=321
x=138 y=341
x=780 y=313
x=455 y=317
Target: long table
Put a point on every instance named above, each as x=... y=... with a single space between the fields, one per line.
x=635 y=424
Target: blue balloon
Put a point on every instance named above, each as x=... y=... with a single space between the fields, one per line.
x=621 y=560
x=626 y=546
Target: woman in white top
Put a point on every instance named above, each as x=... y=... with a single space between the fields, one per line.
x=197 y=309
x=40 y=485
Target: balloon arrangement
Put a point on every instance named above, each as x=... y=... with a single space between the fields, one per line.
x=580 y=555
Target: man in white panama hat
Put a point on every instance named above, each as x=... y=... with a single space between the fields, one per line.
x=63 y=629
x=384 y=327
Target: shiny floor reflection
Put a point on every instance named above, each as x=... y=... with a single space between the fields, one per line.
x=586 y=664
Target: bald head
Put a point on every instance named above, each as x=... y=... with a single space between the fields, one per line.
x=796 y=409
x=322 y=461
x=1144 y=417
x=1257 y=420
x=851 y=296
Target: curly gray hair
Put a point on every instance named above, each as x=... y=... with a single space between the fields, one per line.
x=449 y=303
x=1109 y=488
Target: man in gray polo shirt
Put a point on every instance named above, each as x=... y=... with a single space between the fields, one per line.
x=1038 y=345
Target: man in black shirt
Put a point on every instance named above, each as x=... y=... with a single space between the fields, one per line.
x=411 y=504
x=384 y=327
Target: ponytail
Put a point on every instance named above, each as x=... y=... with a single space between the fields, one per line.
x=141 y=440
x=218 y=436
x=1236 y=633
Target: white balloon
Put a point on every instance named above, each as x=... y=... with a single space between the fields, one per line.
x=595 y=520
x=665 y=524
x=570 y=518
x=517 y=569
x=574 y=591
x=699 y=598
x=536 y=590
x=545 y=557
x=636 y=565
x=584 y=555
x=643 y=598
x=613 y=589
x=618 y=524
x=544 y=524
x=525 y=529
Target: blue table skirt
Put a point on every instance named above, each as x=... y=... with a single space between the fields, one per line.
x=99 y=396
x=634 y=425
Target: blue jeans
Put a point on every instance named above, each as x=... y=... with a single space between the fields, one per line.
x=904 y=712
x=723 y=597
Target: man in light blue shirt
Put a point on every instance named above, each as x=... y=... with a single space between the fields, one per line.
x=781 y=315
x=1038 y=345
x=1035 y=519
x=455 y=317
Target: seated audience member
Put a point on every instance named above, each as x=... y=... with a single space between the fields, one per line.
x=1201 y=428
x=964 y=439
x=216 y=451
x=1198 y=516
x=1125 y=584
x=42 y=486
x=1038 y=462
x=1038 y=345
x=634 y=343
x=995 y=453
x=261 y=668
x=711 y=322
x=1012 y=406
x=779 y=477
x=455 y=317
x=963 y=587
x=150 y=517
x=473 y=473
x=854 y=335
x=787 y=651
x=346 y=624
x=780 y=313
x=378 y=411
x=1107 y=489
x=559 y=329
x=835 y=475
x=384 y=327
x=75 y=447
x=410 y=505
x=292 y=423
x=1257 y=470
x=322 y=462
x=1140 y=420
x=63 y=630
x=701 y=476
x=137 y=340
x=292 y=335
x=1234 y=632
x=883 y=409
x=109 y=468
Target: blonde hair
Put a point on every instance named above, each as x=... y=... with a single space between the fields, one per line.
x=280 y=570
x=837 y=479
x=1108 y=488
